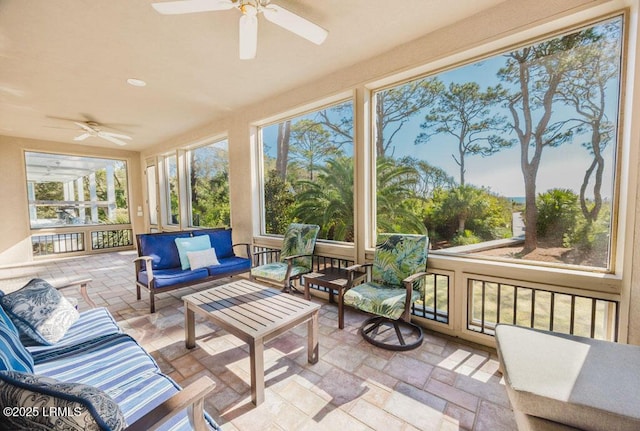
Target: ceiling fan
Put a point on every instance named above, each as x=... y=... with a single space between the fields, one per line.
x=93 y=128
x=249 y=19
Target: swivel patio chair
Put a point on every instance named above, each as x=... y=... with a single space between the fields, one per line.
x=395 y=281
x=295 y=257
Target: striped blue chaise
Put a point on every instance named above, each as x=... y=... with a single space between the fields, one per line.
x=96 y=352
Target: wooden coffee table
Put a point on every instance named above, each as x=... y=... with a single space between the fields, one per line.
x=255 y=314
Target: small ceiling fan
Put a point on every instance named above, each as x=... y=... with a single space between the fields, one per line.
x=93 y=128
x=249 y=19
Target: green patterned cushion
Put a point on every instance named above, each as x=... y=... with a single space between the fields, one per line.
x=399 y=256
x=299 y=239
x=277 y=271
x=377 y=299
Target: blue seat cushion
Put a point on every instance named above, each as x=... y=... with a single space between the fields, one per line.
x=92 y=324
x=161 y=247
x=220 y=239
x=117 y=365
x=13 y=355
x=169 y=277
x=230 y=264
x=85 y=407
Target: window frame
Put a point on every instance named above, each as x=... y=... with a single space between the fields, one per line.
x=620 y=189
x=300 y=111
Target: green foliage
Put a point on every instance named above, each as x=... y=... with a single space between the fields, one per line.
x=454 y=211
x=278 y=203
x=310 y=145
x=328 y=200
x=395 y=184
x=590 y=241
x=465 y=238
x=558 y=212
x=210 y=186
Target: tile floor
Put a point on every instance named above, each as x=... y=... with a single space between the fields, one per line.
x=445 y=384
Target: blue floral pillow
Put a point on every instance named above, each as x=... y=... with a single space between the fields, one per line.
x=40 y=311
x=45 y=403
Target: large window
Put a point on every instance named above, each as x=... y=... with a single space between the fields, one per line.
x=68 y=190
x=308 y=172
x=209 y=185
x=511 y=157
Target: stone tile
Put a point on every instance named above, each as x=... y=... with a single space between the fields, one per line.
x=444 y=376
x=409 y=370
x=340 y=387
x=420 y=409
x=463 y=418
x=345 y=357
x=303 y=398
x=452 y=394
x=492 y=417
x=374 y=417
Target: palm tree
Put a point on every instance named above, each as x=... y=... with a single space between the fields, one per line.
x=328 y=201
x=395 y=185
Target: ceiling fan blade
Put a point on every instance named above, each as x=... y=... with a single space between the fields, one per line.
x=82 y=137
x=248 y=36
x=84 y=126
x=191 y=6
x=295 y=23
x=116 y=135
x=111 y=138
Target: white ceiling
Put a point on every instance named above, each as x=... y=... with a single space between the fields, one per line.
x=71 y=59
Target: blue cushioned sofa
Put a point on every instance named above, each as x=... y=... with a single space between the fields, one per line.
x=96 y=352
x=158 y=267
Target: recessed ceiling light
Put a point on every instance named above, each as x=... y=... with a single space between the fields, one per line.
x=136 y=82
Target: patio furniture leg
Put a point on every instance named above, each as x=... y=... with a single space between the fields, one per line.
x=340 y=309
x=312 y=339
x=256 y=359
x=152 y=302
x=189 y=328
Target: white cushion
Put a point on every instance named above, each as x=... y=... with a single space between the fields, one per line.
x=585 y=383
x=202 y=258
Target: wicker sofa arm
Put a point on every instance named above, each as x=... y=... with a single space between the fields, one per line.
x=191 y=397
x=82 y=284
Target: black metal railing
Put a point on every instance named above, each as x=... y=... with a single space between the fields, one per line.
x=105 y=239
x=434 y=305
x=490 y=303
x=59 y=243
